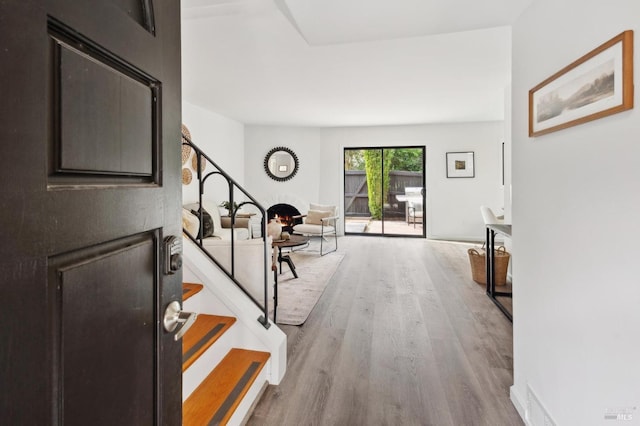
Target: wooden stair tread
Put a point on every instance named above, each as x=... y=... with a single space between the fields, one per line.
x=190 y=289
x=220 y=393
x=202 y=334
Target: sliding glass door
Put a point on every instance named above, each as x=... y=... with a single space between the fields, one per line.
x=384 y=191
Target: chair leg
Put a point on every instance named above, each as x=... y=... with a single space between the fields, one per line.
x=322 y=237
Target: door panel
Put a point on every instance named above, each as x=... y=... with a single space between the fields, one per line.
x=99 y=104
x=90 y=165
x=105 y=333
x=404 y=181
x=141 y=11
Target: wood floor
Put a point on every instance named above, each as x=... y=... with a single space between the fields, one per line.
x=401 y=336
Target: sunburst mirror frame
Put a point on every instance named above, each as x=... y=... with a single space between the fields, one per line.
x=278 y=164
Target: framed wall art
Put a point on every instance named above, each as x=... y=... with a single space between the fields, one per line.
x=460 y=165
x=597 y=85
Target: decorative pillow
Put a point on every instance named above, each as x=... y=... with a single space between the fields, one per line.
x=207 y=223
x=314 y=217
x=324 y=208
x=212 y=208
x=190 y=222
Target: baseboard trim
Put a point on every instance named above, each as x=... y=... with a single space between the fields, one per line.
x=519 y=403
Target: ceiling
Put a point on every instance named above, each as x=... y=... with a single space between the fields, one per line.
x=348 y=62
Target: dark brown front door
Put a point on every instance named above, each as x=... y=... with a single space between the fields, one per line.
x=90 y=189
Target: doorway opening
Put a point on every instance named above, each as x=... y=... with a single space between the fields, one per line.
x=384 y=191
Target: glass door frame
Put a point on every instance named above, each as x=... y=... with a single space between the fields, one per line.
x=423 y=193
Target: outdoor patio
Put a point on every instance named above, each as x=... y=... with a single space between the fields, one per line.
x=365 y=225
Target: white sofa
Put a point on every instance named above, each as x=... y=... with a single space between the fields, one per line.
x=241 y=230
x=249 y=263
x=250 y=253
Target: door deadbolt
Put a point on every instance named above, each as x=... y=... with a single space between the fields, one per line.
x=173 y=255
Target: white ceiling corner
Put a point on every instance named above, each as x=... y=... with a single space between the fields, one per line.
x=348 y=62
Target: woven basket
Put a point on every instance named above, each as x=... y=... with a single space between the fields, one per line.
x=478 y=265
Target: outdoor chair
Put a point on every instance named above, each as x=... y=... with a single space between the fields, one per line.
x=414 y=211
x=320 y=221
x=413 y=198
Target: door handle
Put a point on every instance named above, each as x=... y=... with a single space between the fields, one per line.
x=176 y=318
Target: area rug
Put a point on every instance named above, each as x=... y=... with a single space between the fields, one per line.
x=298 y=296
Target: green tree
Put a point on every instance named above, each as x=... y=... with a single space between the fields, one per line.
x=408 y=159
x=354 y=159
x=377 y=181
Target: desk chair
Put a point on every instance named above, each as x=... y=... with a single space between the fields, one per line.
x=489 y=217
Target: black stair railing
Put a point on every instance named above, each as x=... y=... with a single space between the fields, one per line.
x=202 y=158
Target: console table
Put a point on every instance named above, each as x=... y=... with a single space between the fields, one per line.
x=492 y=230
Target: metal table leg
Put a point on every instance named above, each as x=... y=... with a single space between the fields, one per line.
x=491 y=275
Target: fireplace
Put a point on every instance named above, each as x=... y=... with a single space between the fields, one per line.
x=285 y=213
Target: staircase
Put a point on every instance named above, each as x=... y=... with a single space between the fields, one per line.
x=220 y=382
x=233 y=350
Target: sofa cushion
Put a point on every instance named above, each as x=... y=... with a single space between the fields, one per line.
x=308 y=229
x=225 y=234
x=249 y=260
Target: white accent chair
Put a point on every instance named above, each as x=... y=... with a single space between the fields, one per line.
x=489 y=217
x=320 y=221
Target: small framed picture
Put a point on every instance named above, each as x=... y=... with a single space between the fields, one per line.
x=460 y=165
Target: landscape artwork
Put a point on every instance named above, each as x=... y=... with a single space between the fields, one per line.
x=596 y=85
x=591 y=87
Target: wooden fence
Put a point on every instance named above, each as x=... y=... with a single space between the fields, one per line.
x=356 y=199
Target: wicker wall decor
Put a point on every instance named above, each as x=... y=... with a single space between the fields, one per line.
x=186 y=176
x=194 y=163
x=186 y=149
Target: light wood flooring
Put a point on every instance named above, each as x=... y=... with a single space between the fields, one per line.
x=401 y=336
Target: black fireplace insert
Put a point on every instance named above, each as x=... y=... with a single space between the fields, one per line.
x=285 y=213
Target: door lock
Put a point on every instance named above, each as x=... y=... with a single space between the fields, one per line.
x=172 y=255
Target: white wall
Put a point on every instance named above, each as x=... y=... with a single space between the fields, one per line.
x=222 y=139
x=304 y=187
x=576 y=229
x=452 y=204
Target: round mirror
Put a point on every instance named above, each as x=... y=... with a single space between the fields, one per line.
x=281 y=164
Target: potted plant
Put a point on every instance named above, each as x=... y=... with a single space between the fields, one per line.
x=227 y=205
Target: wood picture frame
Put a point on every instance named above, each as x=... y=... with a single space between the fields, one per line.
x=461 y=164
x=598 y=84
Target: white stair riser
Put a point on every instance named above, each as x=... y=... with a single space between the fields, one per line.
x=239 y=416
x=205 y=302
x=204 y=365
x=221 y=297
